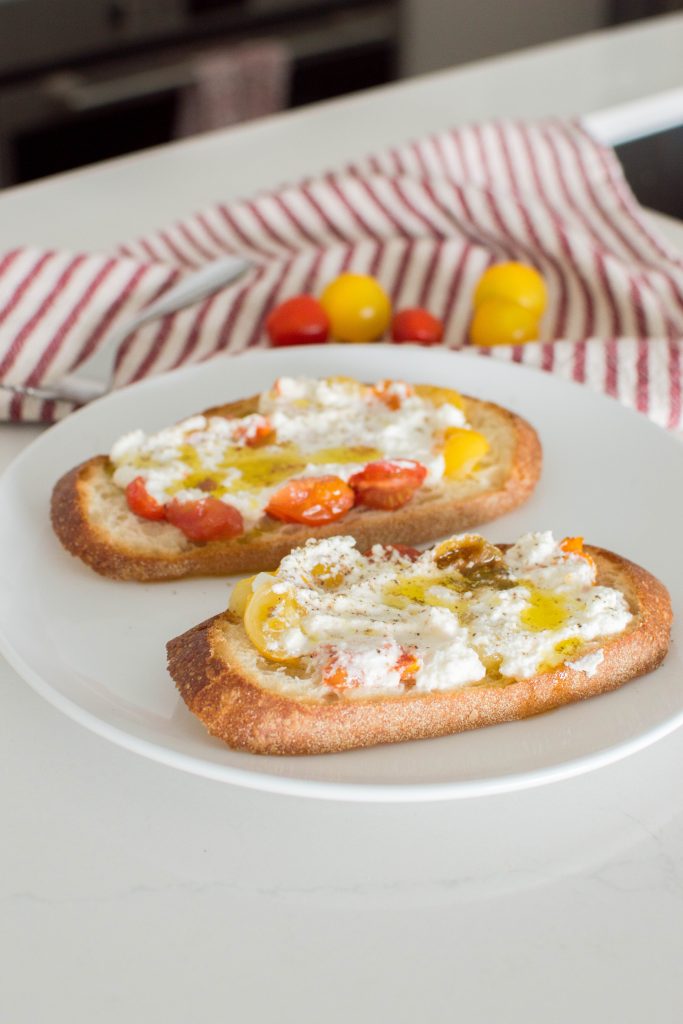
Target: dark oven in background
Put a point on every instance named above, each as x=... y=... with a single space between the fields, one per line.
x=84 y=80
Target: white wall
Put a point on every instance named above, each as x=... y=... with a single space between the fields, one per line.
x=441 y=33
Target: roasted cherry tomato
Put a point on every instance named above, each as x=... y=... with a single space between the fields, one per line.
x=388 y=485
x=512 y=282
x=313 y=501
x=358 y=307
x=141 y=501
x=499 y=322
x=416 y=325
x=298 y=321
x=206 y=519
x=268 y=616
x=241 y=595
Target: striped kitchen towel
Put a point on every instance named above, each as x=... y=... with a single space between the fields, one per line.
x=426 y=218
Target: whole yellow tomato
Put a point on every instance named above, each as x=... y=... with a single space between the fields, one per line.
x=357 y=306
x=514 y=282
x=497 y=322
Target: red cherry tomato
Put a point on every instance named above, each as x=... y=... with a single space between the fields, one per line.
x=298 y=321
x=388 y=485
x=416 y=325
x=206 y=519
x=141 y=501
x=313 y=501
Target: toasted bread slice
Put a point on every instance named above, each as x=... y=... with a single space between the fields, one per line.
x=91 y=517
x=231 y=687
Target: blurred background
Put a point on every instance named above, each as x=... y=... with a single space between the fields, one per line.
x=84 y=80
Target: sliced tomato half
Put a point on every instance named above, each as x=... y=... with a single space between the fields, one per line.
x=206 y=519
x=312 y=501
x=386 y=484
x=141 y=502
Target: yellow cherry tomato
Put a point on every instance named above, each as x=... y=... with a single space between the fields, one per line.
x=358 y=308
x=497 y=322
x=268 y=615
x=463 y=451
x=514 y=282
x=440 y=396
x=241 y=595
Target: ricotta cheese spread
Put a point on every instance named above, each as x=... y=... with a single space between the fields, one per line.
x=390 y=621
x=303 y=428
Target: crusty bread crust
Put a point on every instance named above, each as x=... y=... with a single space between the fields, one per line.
x=92 y=520
x=226 y=684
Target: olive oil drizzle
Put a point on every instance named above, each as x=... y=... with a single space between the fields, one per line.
x=254 y=468
x=546 y=610
x=420 y=590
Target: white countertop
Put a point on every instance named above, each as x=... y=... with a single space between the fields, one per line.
x=134 y=893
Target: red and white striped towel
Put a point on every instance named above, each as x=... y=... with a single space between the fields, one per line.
x=426 y=218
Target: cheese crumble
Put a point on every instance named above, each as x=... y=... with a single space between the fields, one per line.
x=390 y=622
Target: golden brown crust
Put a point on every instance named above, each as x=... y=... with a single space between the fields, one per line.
x=73 y=526
x=426 y=517
x=250 y=717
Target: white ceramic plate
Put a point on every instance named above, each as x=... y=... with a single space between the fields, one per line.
x=96 y=648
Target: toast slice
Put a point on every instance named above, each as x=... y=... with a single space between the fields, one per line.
x=239 y=695
x=91 y=517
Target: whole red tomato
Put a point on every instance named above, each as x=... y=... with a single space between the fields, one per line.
x=416 y=325
x=298 y=321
